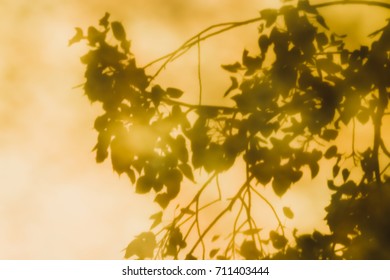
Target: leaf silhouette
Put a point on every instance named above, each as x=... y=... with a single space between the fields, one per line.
x=264 y=43
x=269 y=15
x=252 y=231
x=77 y=37
x=233 y=86
x=345 y=173
x=144 y=185
x=320 y=19
x=278 y=241
x=213 y=253
x=174 y=92
x=104 y=20
x=331 y=152
x=187 y=171
x=281 y=183
x=249 y=251
x=157 y=218
x=118 y=31
x=232 y=67
x=288 y=213
x=142 y=246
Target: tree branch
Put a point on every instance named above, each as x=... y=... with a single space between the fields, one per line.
x=197 y=38
x=220 y=215
x=225 y=109
x=272 y=208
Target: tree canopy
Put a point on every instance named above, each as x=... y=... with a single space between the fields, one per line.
x=291 y=100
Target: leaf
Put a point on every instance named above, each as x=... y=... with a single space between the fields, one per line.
x=345 y=173
x=249 y=251
x=281 y=184
x=101 y=123
x=252 y=231
x=288 y=213
x=156 y=95
x=187 y=171
x=118 y=31
x=213 y=252
x=335 y=170
x=174 y=92
x=103 y=142
x=251 y=63
x=331 y=185
x=162 y=199
x=233 y=86
x=104 y=20
x=269 y=15
x=232 y=67
x=278 y=241
x=172 y=180
x=187 y=211
x=131 y=174
x=264 y=43
x=144 y=185
x=77 y=37
x=94 y=36
x=331 y=152
x=215 y=238
x=329 y=134
x=363 y=116
x=190 y=257
x=314 y=168
x=142 y=246
x=263 y=172
x=175 y=242
x=295 y=175
x=157 y=218
x=320 y=19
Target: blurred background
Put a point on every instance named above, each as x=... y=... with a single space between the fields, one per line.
x=55 y=201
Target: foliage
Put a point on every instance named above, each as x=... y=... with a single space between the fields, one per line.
x=291 y=99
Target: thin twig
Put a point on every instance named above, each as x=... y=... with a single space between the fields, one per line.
x=235 y=231
x=384 y=148
x=199 y=75
x=220 y=215
x=248 y=206
x=231 y=243
x=194 y=107
x=198 y=226
x=271 y=206
x=384 y=169
x=218 y=187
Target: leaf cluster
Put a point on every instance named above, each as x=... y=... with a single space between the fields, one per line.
x=291 y=99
